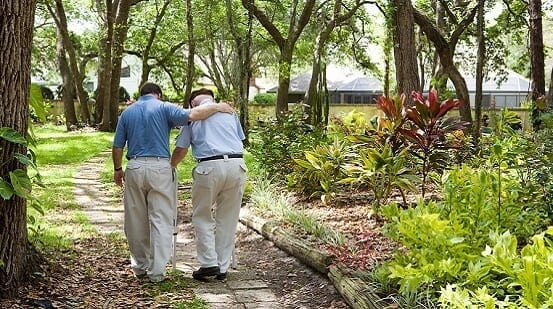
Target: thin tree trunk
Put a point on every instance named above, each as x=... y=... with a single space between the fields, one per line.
x=242 y=65
x=284 y=64
x=103 y=98
x=537 y=62
x=286 y=45
x=73 y=65
x=119 y=35
x=550 y=95
x=480 y=24
x=190 y=68
x=445 y=52
x=68 y=89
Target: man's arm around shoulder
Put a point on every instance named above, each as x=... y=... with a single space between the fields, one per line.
x=204 y=111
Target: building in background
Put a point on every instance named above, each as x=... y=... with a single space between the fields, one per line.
x=357 y=88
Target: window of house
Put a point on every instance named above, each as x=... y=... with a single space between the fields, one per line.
x=126 y=71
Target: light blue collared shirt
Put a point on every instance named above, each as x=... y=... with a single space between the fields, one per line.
x=219 y=134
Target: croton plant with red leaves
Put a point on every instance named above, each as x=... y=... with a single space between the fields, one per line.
x=423 y=127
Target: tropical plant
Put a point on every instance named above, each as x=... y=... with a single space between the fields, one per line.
x=380 y=170
x=387 y=128
x=321 y=170
x=525 y=276
x=431 y=133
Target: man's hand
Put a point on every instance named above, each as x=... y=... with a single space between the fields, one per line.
x=225 y=108
x=118 y=177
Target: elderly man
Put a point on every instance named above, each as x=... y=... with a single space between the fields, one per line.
x=218 y=185
x=150 y=185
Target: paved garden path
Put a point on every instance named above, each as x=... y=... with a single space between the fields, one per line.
x=242 y=289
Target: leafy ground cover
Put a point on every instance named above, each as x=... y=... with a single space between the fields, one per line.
x=453 y=210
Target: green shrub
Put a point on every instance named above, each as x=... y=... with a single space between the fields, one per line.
x=525 y=276
x=265 y=98
x=379 y=170
x=444 y=240
x=321 y=169
x=275 y=144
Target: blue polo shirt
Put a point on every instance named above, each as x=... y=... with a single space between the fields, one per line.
x=220 y=134
x=145 y=127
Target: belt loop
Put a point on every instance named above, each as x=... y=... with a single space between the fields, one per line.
x=225 y=157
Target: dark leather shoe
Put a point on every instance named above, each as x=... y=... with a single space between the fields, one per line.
x=205 y=272
x=221 y=276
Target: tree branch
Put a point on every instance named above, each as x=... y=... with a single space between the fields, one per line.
x=264 y=20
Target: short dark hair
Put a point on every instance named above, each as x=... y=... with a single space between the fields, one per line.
x=198 y=92
x=150 y=88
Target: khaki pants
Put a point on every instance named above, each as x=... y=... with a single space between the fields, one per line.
x=150 y=199
x=216 y=199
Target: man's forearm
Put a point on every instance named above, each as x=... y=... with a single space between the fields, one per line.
x=204 y=111
x=117 y=156
x=177 y=156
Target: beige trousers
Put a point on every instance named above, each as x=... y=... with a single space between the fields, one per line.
x=150 y=199
x=216 y=199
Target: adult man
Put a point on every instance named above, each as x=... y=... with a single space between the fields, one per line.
x=218 y=186
x=150 y=184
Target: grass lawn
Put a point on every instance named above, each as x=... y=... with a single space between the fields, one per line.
x=59 y=153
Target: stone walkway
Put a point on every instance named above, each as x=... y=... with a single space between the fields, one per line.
x=242 y=289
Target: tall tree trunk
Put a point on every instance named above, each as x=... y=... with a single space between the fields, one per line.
x=190 y=67
x=68 y=89
x=445 y=51
x=537 y=62
x=146 y=68
x=285 y=44
x=242 y=64
x=103 y=98
x=16 y=34
x=61 y=21
x=284 y=64
x=119 y=35
x=404 y=48
x=550 y=95
x=440 y=80
x=115 y=13
x=311 y=93
x=480 y=24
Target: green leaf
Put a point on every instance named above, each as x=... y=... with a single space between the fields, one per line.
x=304 y=164
x=36 y=102
x=25 y=160
x=36 y=205
x=6 y=190
x=12 y=135
x=21 y=183
x=312 y=159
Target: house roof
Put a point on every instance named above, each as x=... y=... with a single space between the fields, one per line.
x=360 y=83
x=514 y=83
x=349 y=83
